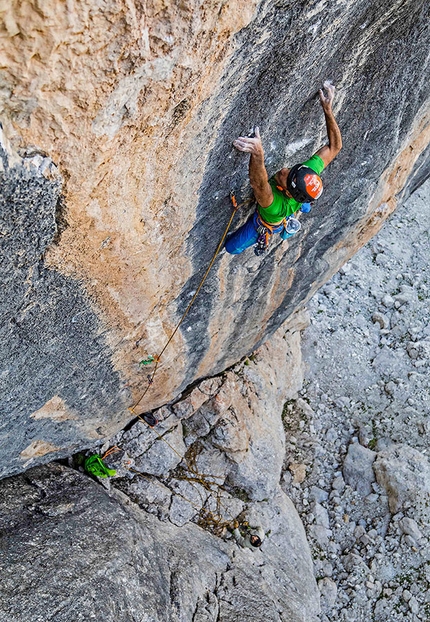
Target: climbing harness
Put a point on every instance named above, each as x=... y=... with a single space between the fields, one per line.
x=265 y=231
x=157 y=358
x=288 y=227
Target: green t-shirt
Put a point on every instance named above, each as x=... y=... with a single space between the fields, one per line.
x=283 y=206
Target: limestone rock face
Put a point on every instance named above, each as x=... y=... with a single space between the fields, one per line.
x=404 y=472
x=55 y=356
x=71 y=552
x=137 y=104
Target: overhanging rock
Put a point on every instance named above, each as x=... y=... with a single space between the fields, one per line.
x=138 y=110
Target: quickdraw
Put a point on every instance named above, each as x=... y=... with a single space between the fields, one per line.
x=265 y=231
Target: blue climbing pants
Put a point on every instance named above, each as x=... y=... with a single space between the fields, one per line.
x=247 y=235
x=244 y=237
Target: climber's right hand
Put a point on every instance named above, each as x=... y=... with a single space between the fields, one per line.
x=250 y=145
x=327 y=95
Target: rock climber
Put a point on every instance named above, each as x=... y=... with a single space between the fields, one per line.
x=288 y=191
x=248 y=537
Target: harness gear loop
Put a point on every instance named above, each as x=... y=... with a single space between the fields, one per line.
x=265 y=230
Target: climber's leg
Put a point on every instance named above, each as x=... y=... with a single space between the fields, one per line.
x=244 y=237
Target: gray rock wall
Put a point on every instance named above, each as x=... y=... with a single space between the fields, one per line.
x=71 y=552
x=95 y=283
x=374 y=54
x=55 y=364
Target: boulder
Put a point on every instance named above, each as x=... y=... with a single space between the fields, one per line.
x=72 y=552
x=409 y=527
x=328 y=590
x=404 y=472
x=357 y=468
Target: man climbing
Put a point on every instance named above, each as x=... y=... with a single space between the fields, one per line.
x=248 y=537
x=288 y=191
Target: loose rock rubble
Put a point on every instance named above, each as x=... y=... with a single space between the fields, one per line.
x=219 y=446
x=216 y=456
x=359 y=431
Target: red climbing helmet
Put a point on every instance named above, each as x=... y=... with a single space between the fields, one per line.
x=304 y=184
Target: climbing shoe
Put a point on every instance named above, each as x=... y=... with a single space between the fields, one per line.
x=258 y=250
x=150 y=419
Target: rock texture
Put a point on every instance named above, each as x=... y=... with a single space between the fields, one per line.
x=70 y=550
x=57 y=374
x=228 y=428
x=68 y=546
x=137 y=106
x=403 y=471
x=359 y=429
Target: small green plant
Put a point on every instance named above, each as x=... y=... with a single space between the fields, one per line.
x=149 y=359
x=241 y=494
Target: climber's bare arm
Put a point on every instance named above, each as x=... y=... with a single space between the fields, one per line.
x=257 y=171
x=330 y=151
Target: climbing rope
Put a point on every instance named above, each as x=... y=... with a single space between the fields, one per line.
x=157 y=358
x=207 y=517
